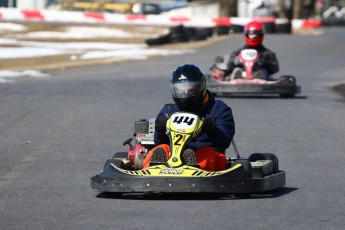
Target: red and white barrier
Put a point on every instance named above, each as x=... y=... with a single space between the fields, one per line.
x=13 y=14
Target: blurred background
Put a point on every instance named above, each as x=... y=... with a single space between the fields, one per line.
x=331 y=11
x=68 y=31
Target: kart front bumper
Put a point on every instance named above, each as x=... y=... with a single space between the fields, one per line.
x=141 y=184
x=254 y=89
x=284 y=86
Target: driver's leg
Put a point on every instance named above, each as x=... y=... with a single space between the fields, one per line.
x=210 y=160
x=156 y=154
x=262 y=74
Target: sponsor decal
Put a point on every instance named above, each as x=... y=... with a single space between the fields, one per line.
x=141 y=134
x=184 y=120
x=171 y=171
x=182 y=77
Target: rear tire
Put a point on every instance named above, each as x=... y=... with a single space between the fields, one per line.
x=117 y=162
x=120 y=155
x=266 y=156
x=245 y=171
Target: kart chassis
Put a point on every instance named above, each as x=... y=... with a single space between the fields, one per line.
x=244 y=176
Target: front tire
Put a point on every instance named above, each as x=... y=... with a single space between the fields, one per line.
x=246 y=171
x=287 y=95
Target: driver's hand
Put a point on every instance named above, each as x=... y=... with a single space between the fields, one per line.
x=261 y=62
x=161 y=122
x=209 y=125
x=237 y=61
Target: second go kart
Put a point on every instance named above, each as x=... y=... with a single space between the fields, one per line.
x=285 y=86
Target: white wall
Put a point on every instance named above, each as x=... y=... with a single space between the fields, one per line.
x=245 y=8
x=196 y=10
x=31 y=4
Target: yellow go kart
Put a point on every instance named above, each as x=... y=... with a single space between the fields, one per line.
x=123 y=173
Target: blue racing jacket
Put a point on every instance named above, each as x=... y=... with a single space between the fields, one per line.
x=219 y=139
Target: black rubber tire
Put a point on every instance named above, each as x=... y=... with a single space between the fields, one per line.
x=286 y=95
x=177 y=38
x=164 y=39
x=292 y=79
x=222 y=30
x=266 y=156
x=236 y=29
x=120 y=155
x=179 y=34
x=269 y=27
x=284 y=28
x=199 y=34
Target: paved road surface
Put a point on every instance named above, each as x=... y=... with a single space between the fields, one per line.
x=56 y=133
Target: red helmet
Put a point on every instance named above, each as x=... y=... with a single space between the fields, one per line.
x=254 y=33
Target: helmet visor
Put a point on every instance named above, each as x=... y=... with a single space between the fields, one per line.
x=252 y=34
x=186 y=89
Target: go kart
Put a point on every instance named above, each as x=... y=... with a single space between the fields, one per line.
x=243 y=176
x=285 y=86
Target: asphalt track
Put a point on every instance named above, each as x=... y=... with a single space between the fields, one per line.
x=56 y=133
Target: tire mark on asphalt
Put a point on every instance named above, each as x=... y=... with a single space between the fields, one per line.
x=14 y=173
x=23 y=164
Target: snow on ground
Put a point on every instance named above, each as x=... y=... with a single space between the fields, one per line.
x=8 y=76
x=11 y=47
x=11 y=27
x=85 y=32
x=87 y=50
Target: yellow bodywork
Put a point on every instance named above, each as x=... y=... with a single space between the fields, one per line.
x=183 y=171
x=181 y=127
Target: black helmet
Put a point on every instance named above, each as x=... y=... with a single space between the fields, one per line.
x=188 y=86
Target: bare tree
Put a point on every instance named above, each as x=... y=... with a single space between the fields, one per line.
x=297 y=8
x=227 y=7
x=282 y=12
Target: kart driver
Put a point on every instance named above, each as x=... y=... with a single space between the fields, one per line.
x=267 y=63
x=188 y=85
